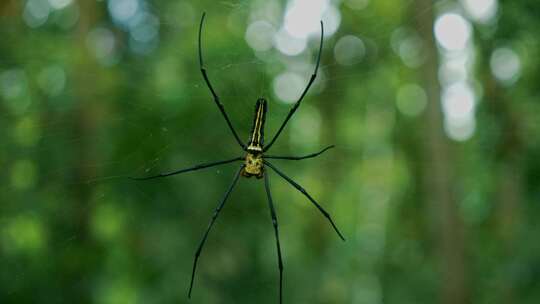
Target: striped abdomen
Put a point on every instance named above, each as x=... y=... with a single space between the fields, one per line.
x=256 y=139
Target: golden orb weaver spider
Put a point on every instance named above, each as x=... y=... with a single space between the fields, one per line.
x=254 y=161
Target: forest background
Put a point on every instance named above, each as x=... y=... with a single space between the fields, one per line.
x=434 y=181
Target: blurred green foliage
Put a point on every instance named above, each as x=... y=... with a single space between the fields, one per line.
x=93 y=92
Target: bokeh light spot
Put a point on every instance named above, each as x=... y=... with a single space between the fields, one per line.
x=288 y=86
x=107 y=222
x=331 y=19
x=36 y=12
x=102 y=43
x=52 y=80
x=505 y=65
x=12 y=83
x=145 y=27
x=452 y=31
x=123 y=10
x=23 y=234
x=118 y=290
x=408 y=45
x=411 y=99
x=302 y=17
x=23 y=174
x=259 y=35
x=480 y=10
x=349 y=50
x=455 y=68
x=67 y=17
x=458 y=101
x=460 y=129
x=14 y=89
x=289 y=45
x=59 y=4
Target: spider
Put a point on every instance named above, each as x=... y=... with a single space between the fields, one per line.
x=254 y=161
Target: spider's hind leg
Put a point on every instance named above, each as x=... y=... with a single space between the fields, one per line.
x=306 y=194
x=276 y=233
x=214 y=217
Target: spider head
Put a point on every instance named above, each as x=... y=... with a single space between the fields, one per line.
x=255 y=144
x=253 y=166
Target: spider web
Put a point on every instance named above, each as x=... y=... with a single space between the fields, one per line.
x=88 y=138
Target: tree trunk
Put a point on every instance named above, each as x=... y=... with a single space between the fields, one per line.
x=84 y=126
x=509 y=175
x=438 y=172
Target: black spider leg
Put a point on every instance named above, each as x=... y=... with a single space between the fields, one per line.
x=214 y=217
x=216 y=98
x=299 y=188
x=276 y=232
x=297 y=104
x=300 y=157
x=194 y=168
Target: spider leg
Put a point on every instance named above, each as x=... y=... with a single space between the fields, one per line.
x=214 y=217
x=297 y=104
x=276 y=232
x=299 y=188
x=216 y=98
x=300 y=157
x=194 y=168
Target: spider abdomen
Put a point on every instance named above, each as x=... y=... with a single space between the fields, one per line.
x=253 y=165
x=255 y=144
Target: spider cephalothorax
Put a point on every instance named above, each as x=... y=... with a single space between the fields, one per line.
x=254 y=165
x=254 y=162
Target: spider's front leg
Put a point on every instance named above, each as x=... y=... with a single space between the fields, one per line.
x=194 y=168
x=212 y=91
x=312 y=155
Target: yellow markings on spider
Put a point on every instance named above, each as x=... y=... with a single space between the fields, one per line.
x=255 y=144
x=254 y=165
